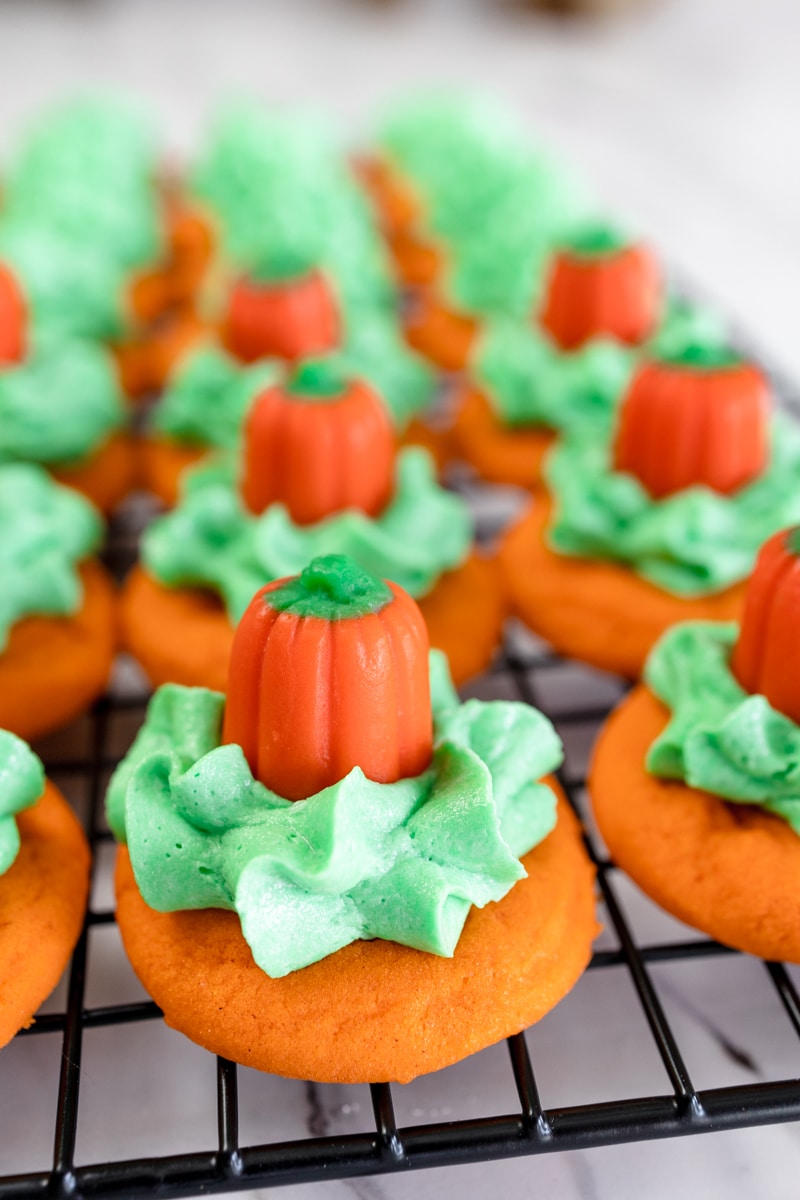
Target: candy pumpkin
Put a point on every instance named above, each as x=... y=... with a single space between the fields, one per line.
x=329 y=671
x=601 y=286
x=320 y=444
x=766 y=658
x=290 y=318
x=13 y=318
x=699 y=417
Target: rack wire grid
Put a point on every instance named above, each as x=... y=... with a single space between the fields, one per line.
x=577 y=701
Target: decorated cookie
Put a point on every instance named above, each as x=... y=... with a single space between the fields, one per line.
x=318 y=473
x=365 y=847
x=696 y=778
x=663 y=522
x=57 y=626
x=86 y=447
x=44 y=884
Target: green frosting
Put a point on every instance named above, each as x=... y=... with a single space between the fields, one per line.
x=21 y=785
x=403 y=861
x=208 y=397
x=720 y=738
x=528 y=381
x=286 y=201
x=691 y=543
x=60 y=404
x=210 y=540
x=86 y=173
x=376 y=352
x=331 y=588
x=45 y=531
x=71 y=290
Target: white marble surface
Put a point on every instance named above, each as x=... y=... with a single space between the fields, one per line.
x=683 y=116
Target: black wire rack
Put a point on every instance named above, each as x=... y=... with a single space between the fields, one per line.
x=525 y=670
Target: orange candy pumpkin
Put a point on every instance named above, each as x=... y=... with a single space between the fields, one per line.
x=329 y=671
x=700 y=417
x=287 y=318
x=13 y=318
x=601 y=287
x=319 y=445
x=766 y=658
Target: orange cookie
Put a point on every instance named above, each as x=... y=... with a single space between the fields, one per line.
x=500 y=453
x=374 y=1010
x=183 y=635
x=595 y=611
x=441 y=334
x=54 y=667
x=106 y=476
x=42 y=901
x=731 y=870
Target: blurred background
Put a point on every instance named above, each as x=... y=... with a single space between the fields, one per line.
x=680 y=114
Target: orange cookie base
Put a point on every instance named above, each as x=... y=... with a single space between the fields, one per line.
x=731 y=870
x=374 y=1011
x=106 y=476
x=440 y=334
x=54 y=667
x=183 y=635
x=42 y=902
x=598 y=612
x=499 y=453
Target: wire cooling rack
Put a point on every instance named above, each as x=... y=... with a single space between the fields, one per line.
x=378 y=1142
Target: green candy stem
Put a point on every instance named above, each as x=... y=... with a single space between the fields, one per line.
x=331 y=588
x=596 y=241
x=793 y=540
x=319 y=379
x=700 y=356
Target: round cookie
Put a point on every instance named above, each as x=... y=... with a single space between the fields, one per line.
x=595 y=611
x=54 y=667
x=183 y=635
x=374 y=1011
x=731 y=870
x=42 y=902
x=499 y=453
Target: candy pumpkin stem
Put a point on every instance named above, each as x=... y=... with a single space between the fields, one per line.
x=766 y=658
x=329 y=671
x=320 y=444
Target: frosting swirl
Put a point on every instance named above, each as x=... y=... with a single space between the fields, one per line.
x=211 y=541
x=403 y=861
x=693 y=542
x=719 y=738
x=45 y=531
x=21 y=785
x=77 y=378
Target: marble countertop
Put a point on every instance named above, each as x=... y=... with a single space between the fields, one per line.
x=682 y=117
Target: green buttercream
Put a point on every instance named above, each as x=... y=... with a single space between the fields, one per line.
x=692 y=543
x=331 y=588
x=720 y=738
x=360 y=860
x=320 y=379
x=45 y=531
x=207 y=399
x=376 y=352
x=211 y=541
x=70 y=289
x=86 y=172
x=60 y=404
x=286 y=201
x=528 y=381
x=21 y=785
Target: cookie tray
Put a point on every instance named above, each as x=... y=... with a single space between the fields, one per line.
x=383 y=1132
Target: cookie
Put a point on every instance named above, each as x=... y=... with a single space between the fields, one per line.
x=598 y=612
x=499 y=453
x=42 y=901
x=731 y=870
x=106 y=476
x=374 y=1010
